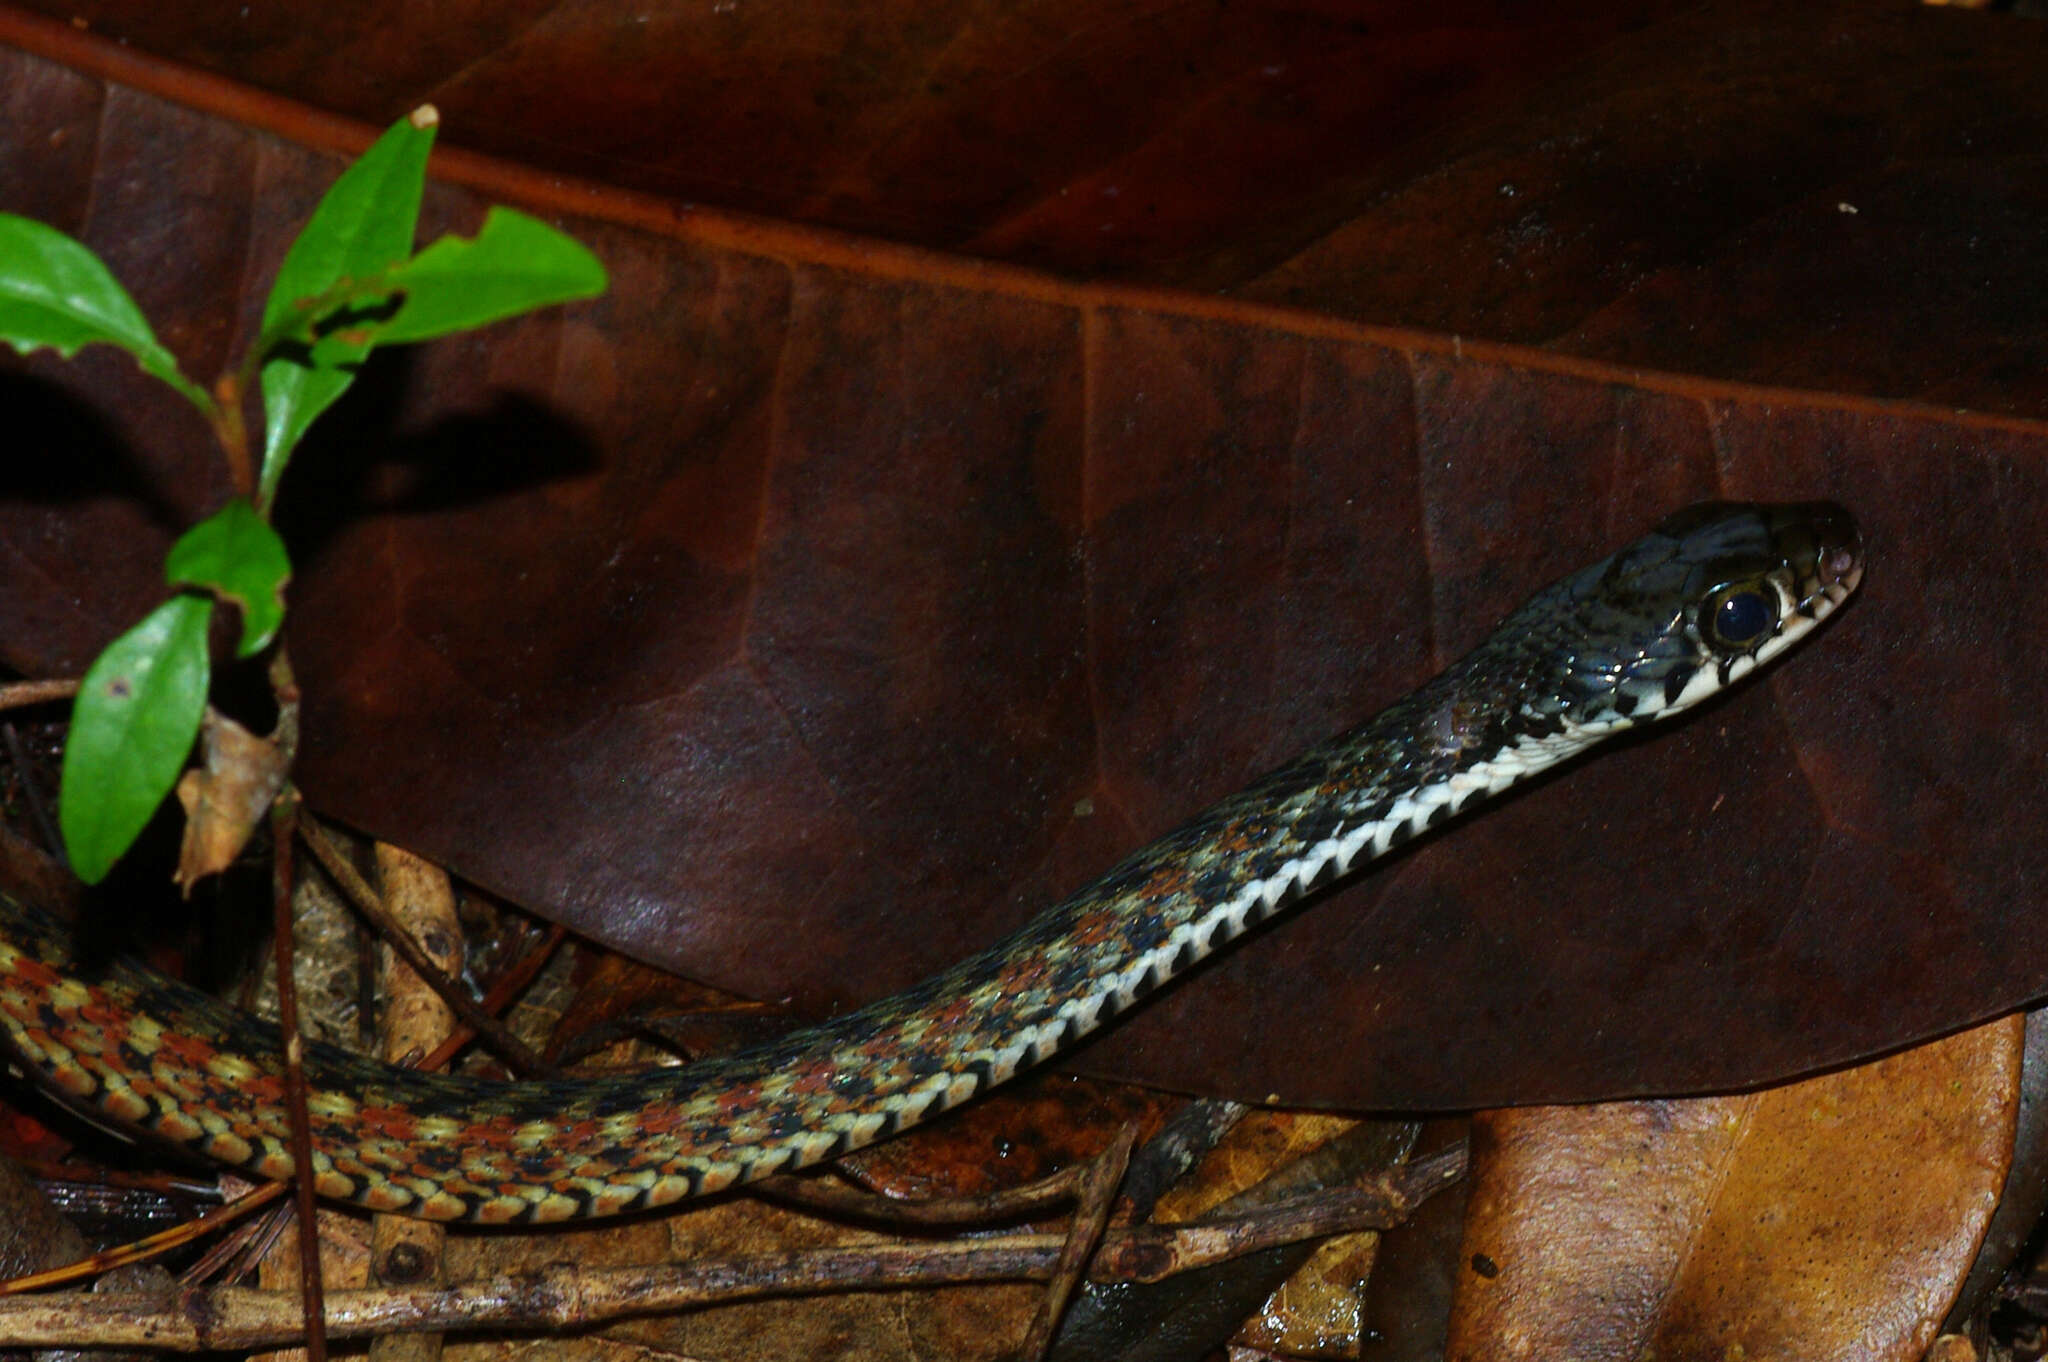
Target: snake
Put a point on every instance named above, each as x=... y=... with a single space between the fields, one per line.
x=1693 y=606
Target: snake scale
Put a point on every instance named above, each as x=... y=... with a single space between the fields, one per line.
x=1706 y=597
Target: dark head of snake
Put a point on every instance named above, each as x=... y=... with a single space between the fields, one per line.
x=1703 y=599
x=1711 y=593
x=1707 y=596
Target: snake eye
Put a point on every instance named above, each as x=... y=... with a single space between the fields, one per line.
x=1738 y=616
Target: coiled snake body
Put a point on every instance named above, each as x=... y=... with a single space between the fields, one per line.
x=1673 y=618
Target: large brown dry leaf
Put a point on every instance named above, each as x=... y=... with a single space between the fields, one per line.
x=1839 y=195
x=1833 y=1218
x=801 y=616
x=1103 y=133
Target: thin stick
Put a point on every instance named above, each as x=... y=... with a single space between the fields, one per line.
x=987 y=1208
x=21 y=694
x=509 y=986
x=1084 y=1232
x=282 y=818
x=570 y=1298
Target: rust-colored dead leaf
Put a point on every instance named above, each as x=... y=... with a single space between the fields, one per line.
x=1832 y=1218
x=617 y=1001
x=226 y=797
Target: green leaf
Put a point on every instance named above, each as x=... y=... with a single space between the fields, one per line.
x=514 y=264
x=362 y=227
x=137 y=712
x=238 y=557
x=55 y=292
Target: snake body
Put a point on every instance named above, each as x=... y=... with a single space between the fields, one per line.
x=1706 y=597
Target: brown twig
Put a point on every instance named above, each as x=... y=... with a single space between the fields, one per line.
x=570 y=1298
x=351 y=883
x=500 y=995
x=1149 y=1253
x=987 y=1208
x=282 y=819
x=21 y=694
x=284 y=688
x=1091 y=1217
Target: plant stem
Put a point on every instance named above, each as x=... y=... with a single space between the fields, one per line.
x=284 y=688
x=233 y=434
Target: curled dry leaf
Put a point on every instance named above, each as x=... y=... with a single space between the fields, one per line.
x=1267 y=1157
x=1834 y=1217
x=225 y=798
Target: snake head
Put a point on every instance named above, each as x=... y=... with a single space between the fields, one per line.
x=1712 y=593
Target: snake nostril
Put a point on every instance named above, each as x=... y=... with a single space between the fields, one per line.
x=1839 y=560
x=1841 y=563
